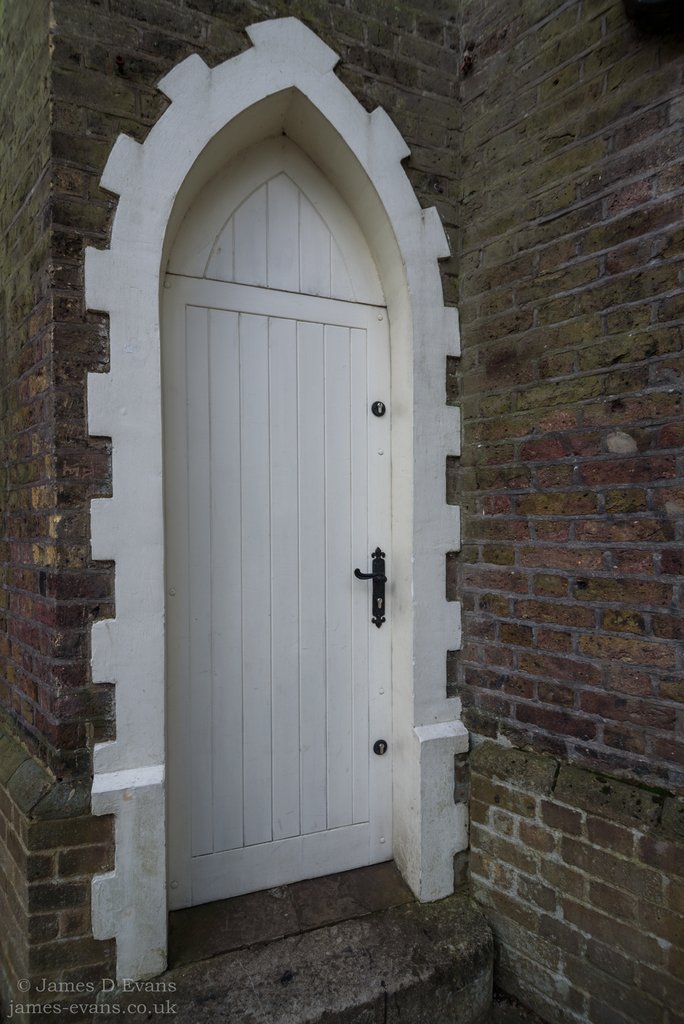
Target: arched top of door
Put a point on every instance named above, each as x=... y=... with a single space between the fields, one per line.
x=270 y=218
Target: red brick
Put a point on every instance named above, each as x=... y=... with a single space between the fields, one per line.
x=602 y=926
x=556 y=722
x=509 y=907
x=567 y=669
x=551 y=530
x=658 y=920
x=547 y=585
x=626 y=499
x=484 y=579
x=514 y=633
x=623 y=738
x=612 y=901
x=542 y=896
x=639 y=652
x=566 y=819
x=621 y=591
x=669 y=750
x=85 y=860
x=554 y=640
x=537 y=837
x=603 y=865
x=566 y=503
x=543 y=450
x=672 y=562
x=556 y=612
x=668 y=626
x=622 y=470
x=633 y=561
x=633 y=530
x=562 y=935
x=561 y=558
x=626 y=680
x=623 y=621
x=667 y=988
x=497 y=504
x=616 y=708
x=503 y=850
x=672 y=689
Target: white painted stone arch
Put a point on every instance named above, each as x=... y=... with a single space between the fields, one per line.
x=246 y=178
x=283 y=84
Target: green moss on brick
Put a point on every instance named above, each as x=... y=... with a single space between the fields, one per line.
x=608 y=797
x=533 y=773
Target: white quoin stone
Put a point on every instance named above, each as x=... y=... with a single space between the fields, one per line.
x=285 y=83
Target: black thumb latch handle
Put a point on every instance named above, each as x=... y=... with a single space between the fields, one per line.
x=369 y=576
x=379 y=580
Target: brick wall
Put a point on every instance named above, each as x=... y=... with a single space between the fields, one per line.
x=25 y=408
x=582 y=880
x=45 y=699
x=50 y=846
x=572 y=308
x=571 y=304
x=568 y=184
x=43 y=634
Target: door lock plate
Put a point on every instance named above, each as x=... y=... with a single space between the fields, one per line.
x=379 y=580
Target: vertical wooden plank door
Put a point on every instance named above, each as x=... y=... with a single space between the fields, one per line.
x=277 y=487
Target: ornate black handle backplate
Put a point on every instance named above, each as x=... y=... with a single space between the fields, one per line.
x=379 y=581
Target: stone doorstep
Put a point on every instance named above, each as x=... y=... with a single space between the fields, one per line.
x=200 y=932
x=416 y=964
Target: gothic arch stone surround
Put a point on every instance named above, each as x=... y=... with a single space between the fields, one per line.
x=283 y=83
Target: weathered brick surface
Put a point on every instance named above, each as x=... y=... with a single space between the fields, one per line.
x=50 y=846
x=559 y=157
x=570 y=282
x=571 y=274
x=44 y=684
x=582 y=882
x=25 y=404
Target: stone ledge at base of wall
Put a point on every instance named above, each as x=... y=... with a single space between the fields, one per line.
x=50 y=847
x=33 y=789
x=581 y=876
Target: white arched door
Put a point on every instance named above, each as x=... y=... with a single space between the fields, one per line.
x=277 y=486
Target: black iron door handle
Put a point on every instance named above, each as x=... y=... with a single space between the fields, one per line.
x=379 y=581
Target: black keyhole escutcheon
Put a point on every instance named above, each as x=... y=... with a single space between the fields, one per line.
x=380 y=747
x=378 y=408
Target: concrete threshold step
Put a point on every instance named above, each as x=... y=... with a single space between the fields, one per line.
x=413 y=964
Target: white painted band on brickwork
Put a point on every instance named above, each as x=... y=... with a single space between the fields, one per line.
x=285 y=82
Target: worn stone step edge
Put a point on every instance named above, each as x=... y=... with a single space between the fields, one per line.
x=418 y=963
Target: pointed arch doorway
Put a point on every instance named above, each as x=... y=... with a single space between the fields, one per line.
x=275 y=346
x=283 y=83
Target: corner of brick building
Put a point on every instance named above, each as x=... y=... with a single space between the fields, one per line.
x=572 y=314
x=49 y=712
x=570 y=181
